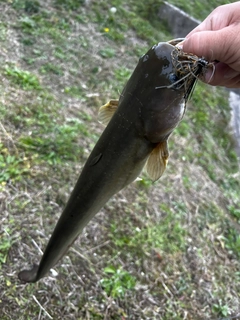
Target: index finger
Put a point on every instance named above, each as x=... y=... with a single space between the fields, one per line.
x=219 y=18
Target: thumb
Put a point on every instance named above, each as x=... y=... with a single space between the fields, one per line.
x=212 y=45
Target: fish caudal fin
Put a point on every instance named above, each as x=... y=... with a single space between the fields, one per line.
x=107 y=111
x=157 y=161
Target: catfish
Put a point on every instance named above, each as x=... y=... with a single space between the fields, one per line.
x=139 y=124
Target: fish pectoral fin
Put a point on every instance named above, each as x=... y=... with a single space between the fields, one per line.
x=157 y=161
x=107 y=111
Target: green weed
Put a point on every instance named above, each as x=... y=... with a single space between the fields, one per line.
x=122 y=74
x=29 y=6
x=75 y=91
x=221 y=309
x=28 y=25
x=24 y=79
x=60 y=54
x=107 y=52
x=3 y=31
x=232 y=241
x=69 y=4
x=13 y=167
x=117 y=282
x=5 y=245
x=184 y=129
x=144 y=181
x=59 y=145
x=234 y=211
x=50 y=67
x=167 y=236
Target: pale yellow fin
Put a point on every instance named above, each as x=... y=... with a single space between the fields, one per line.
x=157 y=161
x=107 y=111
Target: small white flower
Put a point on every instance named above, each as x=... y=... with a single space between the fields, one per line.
x=113 y=10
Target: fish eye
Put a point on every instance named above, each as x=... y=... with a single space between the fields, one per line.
x=175 y=81
x=173 y=77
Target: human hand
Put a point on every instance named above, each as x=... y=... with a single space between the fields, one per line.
x=217 y=39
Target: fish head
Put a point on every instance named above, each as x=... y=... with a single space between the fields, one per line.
x=160 y=90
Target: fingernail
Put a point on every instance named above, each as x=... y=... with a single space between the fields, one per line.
x=179 y=45
x=230 y=74
x=208 y=75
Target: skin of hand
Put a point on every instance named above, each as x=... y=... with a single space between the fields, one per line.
x=217 y=39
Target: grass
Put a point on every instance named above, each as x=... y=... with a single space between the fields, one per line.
x=4 y=247
x=23 y=78
x=168 y=250
x=198 y=9
x=117 y=281
x=61 y=147
x=13 y=168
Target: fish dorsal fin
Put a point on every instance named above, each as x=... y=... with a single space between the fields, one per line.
x=107 y=111
x=157 y=161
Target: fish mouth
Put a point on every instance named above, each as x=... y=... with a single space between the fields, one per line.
x=188 y=67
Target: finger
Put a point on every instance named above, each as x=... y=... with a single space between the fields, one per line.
x=214 y=45
x=204 y=26
x=222 y=75
x=234 y=84
x=219 y=18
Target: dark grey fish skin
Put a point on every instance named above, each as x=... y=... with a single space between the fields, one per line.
x=144 y=119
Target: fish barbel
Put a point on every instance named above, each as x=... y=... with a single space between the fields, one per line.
x=150 y=106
